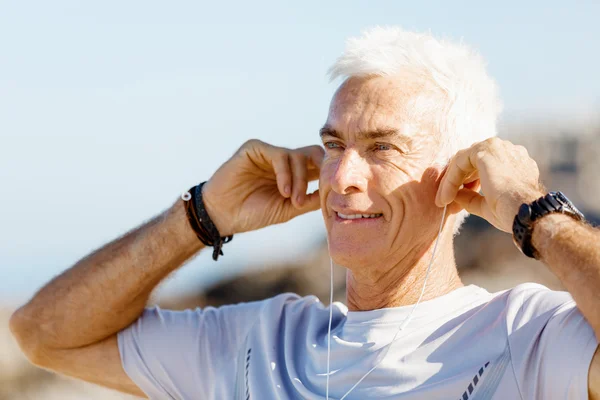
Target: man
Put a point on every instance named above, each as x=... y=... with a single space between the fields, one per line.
x=409 y=104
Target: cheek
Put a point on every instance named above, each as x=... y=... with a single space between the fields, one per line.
x=389 y=178
x=387 y=190
x=419 y=194
x=407 y=188
x=327 y=171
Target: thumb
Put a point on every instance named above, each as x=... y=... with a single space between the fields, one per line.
x=471 y=201
x=311 y=203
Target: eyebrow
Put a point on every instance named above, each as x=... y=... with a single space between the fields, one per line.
x=376 y=134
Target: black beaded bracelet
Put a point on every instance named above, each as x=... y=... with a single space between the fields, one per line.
x=201 y=223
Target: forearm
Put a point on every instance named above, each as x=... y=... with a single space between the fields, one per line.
x=572 y=252
x=107 y=290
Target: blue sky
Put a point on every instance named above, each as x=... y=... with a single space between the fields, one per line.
x=108 y=110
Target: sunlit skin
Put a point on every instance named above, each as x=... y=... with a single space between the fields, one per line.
x=380 y=161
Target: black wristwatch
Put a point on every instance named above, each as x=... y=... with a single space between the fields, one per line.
x=553 y=202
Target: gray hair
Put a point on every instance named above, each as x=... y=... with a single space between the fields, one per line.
x=467 y=102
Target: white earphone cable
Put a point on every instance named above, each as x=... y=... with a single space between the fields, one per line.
x=402 y=326
x=330 y=318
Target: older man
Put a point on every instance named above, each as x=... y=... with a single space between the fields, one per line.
x=389 y=198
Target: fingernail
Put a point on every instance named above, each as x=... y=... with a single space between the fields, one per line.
x=287 y=190
x=299 y=200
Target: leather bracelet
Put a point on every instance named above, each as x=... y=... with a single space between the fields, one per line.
x=200 y=221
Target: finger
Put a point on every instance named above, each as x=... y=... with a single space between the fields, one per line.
x=314 y=158
x=471 y=201
x=312 y=175
x=472 y=181
x=283 y=174
x=474 y=185
x=472 y=177
x=459 y=168
x=312 y=203
x=299 y=178
x=268 y=157
x=315 y=155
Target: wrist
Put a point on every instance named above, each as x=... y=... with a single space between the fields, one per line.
x=527 y=197
x=201 y=221
x=216 y=212
x=538 y=214
x=177 y=221
x=546 y=229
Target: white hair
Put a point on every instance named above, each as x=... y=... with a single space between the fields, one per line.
x=463 y=102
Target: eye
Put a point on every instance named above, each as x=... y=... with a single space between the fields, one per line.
x=331 y=145
x=383 y=147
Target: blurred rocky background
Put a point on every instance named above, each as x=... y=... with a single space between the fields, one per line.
x=568 y=155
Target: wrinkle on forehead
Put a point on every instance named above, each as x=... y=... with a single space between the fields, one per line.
x=370 y=103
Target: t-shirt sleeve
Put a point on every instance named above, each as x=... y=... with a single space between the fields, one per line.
x=186 y=354
x=551 y=344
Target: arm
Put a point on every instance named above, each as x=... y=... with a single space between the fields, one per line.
x=509 y=178
x=71 y=325
x=571 y=250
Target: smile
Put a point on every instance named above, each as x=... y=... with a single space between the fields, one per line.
x=357 y=216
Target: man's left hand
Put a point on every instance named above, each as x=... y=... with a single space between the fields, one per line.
x=504 y=172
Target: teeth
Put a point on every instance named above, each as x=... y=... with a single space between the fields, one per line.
x=357 y=216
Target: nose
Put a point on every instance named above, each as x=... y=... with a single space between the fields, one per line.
x=350 y=173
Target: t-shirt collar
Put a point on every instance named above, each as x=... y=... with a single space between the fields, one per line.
x=434 y=307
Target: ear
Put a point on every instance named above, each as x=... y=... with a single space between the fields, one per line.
x=454 y=207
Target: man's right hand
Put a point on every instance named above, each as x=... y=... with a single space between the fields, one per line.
x=70 y=326
x=262 y=185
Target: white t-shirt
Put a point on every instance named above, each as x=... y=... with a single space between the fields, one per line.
x=525 y=343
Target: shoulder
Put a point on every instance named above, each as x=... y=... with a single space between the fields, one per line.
x=285 y=302
x=224 y=322
x=529 y=301
x=549 y=320
x=289 y=312
x=535 y=293
x=293 y=304
x=242 y=313
x=551 y=343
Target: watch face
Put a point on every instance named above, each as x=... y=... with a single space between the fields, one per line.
x=567 y=203
x=561 y=197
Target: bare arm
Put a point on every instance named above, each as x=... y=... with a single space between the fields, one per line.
x=102 y=294
x=509 y=178
x=70 y=325
x=571 y=250
x=109 y=288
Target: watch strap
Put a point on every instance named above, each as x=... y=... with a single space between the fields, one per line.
x=523 y=224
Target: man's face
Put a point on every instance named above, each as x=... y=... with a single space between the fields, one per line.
x=378 y=164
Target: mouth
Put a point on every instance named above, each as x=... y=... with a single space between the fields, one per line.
x=346 y=217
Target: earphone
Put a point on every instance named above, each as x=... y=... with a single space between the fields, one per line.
x=402 y=326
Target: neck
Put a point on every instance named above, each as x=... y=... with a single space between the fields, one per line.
x=400 y=283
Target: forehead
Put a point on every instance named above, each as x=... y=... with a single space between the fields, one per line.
x=372 y=103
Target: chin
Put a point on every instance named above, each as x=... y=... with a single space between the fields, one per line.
x=351 y=253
